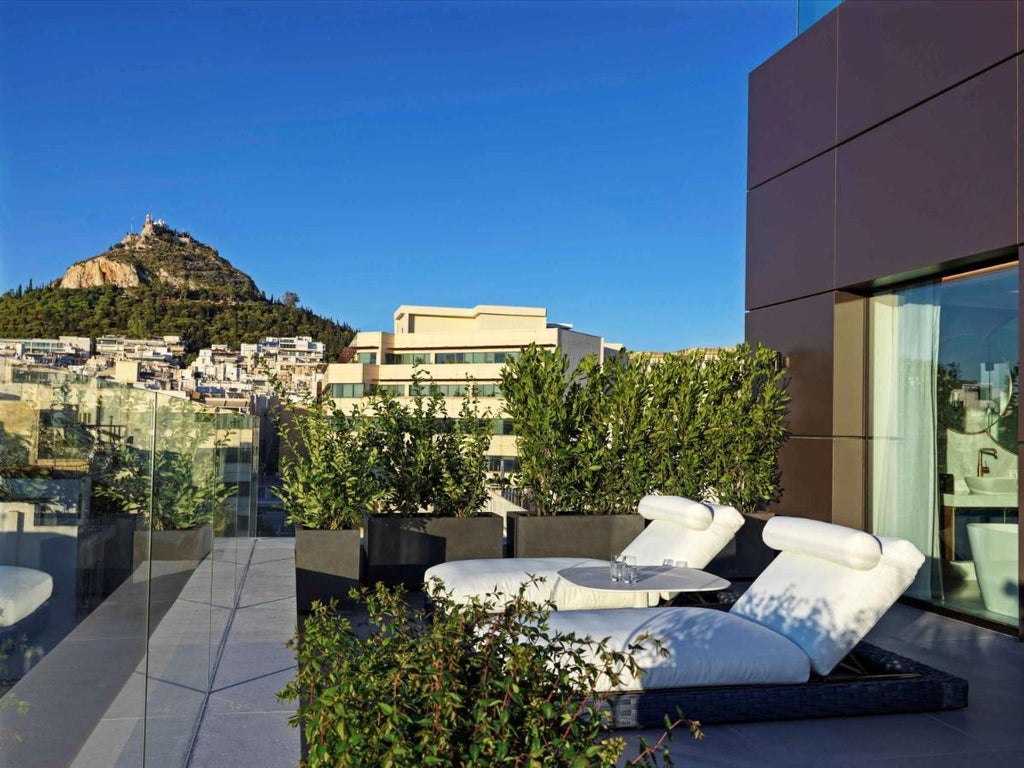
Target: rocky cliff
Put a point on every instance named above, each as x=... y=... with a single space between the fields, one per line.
x=99 y=271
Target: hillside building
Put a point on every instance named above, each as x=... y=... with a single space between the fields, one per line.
x=451 y=345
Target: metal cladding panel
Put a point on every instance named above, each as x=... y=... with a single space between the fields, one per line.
x=792 y=104
x=935 y=184
x=790 y=225
x=802 y=331
x=895 y=55
x=806 y=466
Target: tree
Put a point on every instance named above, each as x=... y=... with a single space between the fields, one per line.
x=290 y=299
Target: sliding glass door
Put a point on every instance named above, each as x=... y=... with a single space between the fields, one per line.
x=944 y=439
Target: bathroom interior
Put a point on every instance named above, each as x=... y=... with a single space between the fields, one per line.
x=944 y=442
x=977 y=444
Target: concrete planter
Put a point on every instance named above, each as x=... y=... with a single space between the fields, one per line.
x=568 y=535
x=745 y=556
x=400 y=549
x=327 y=565
x=190 y=545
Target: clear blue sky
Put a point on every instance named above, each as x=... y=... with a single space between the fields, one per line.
x=585 y=157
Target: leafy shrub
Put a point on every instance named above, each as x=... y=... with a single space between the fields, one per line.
x=691 y=424
x=460 y=687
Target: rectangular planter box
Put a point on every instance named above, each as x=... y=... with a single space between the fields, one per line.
x=745 y=556
x=327 y=565
x=191 y=545
x=400 y=549
x=597 y=536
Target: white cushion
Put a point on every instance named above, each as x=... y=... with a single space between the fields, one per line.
x=677 y=509
x=663 y=539
x=705 y=647
x=844 y=546
x=822 y=605
x=466 y=579
x=22 y=590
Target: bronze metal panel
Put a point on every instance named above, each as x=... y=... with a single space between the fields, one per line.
x=792 y=102
x=802 y=331
x=895 y=55
x=849 y=393
x=935 y=184
x=806 y=464
x=790 y=225
x=849 y=482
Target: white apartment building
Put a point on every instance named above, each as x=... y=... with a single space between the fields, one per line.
x=164 y=349
x=48 y=350
x=449 y=344
x=300 y=350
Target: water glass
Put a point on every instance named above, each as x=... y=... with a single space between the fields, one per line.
x=629 y=569
x=615 y=568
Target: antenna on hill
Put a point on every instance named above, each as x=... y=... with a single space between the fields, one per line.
x=131 y=225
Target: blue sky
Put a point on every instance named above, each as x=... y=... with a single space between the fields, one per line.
x=585 y=157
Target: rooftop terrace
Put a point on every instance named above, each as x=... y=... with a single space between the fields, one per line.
x=244 y=717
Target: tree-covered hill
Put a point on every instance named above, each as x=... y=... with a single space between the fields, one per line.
x=157 y=283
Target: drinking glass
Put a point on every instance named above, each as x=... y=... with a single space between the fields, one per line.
x=629 y=569
x=615 y=568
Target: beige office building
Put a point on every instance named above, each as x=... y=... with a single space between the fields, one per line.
x=449 y=344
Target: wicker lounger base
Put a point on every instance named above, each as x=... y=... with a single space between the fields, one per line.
x=890 y=684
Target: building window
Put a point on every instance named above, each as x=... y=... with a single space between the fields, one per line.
x=475 y=358
x=943 y=397
x=348 y=390
x=406 y=358
x=366 y=358
x=501 y=427
x=398 y=390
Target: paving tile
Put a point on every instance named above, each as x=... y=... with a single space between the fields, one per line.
x=248 y=678
x=272 y=622
x=254 y=740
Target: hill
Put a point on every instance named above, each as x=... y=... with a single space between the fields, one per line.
x=160 y=282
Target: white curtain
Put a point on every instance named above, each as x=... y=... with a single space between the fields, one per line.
x=905 y=350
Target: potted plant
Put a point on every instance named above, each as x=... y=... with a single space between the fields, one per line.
x=327 y=483
x=433 y=471
x=556 y=416
x=705 y=425
x=463 y=686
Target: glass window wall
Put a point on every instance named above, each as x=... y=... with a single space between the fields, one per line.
x=944 y=393
x=119 y=512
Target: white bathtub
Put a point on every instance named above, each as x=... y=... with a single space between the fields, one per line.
x=994 y=548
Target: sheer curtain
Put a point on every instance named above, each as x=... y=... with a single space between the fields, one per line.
x=905 y=350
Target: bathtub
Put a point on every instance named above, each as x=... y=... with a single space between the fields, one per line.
x=994 y=548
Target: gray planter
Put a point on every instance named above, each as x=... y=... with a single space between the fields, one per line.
x=568 y=535
x=745 y=556
x=190 y=545
x=400 y=549
x=327 y=565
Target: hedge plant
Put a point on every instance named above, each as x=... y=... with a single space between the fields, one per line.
x=693 y=424
x=464 y=686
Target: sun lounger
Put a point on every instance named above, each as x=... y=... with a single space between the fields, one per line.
x=680 y=529
x=22 y=592
x=796 y=622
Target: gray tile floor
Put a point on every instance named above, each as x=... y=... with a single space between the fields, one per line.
x=244 y=718
x=244 y=723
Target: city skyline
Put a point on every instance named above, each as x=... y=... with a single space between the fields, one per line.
x=589 y=158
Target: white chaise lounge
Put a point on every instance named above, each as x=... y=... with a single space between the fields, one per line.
x=819 y=597
x=22 y=592
x=680 y=529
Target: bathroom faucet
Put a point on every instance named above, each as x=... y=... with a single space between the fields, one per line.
x=982 y=453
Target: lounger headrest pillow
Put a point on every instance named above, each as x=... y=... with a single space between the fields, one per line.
x=677 y=509
x=845 y=546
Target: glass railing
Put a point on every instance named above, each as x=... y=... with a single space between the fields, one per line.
x=810 y=11
x=123 y=517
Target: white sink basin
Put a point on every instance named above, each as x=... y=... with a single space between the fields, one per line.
x=989 y=486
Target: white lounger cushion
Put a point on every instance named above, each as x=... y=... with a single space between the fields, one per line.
x=22 y=590
x=676 y=509
x=820 y=601
x=674 y=538
x=465 y=579
x=706 y=647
